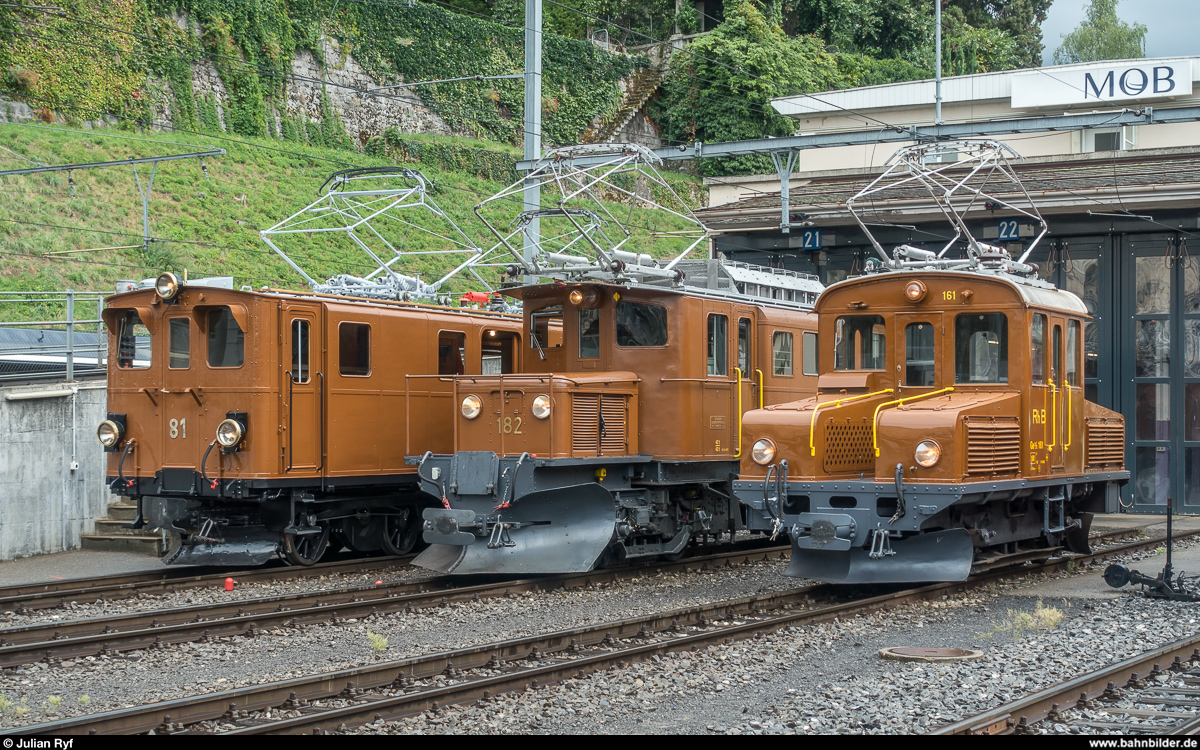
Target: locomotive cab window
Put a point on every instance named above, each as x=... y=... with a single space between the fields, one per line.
x=641 y=325
x=132 y=334
x=809 y=363
x=300 y=372
x=718 y=345
x=589 y=332
x=180 y=344
x=981 y=348
x=498 y=349
x=918 y=355
x=859 y=343
x=226 y=339
x=1073 y=354
x=1037 y=350
x=452 y=352
x=781 y=353
x=354 y=349
x=545 y=327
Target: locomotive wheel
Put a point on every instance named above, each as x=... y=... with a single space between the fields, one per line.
x=305 y=549
x=401 y=532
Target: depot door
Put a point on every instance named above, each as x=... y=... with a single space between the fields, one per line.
x=1160 y=369
x=302 y=386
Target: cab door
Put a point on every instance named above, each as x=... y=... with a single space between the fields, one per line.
x=719 y=425
x=1059 y=394
x=182 y=398
x=749 y=389
x=302 y=384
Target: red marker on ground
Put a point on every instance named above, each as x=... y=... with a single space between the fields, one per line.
x=229 y=584
x=379 y=583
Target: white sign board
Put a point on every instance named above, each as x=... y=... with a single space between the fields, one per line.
x=1102 y=83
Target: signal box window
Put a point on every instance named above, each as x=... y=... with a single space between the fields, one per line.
x=589 y=332
x=129 y=331
x=981 y=348
x=1037 y=351
x=300 y=372
x=180 y=344
x=859 y=343
x=918 y=355
x=781 y=353
x=641 y=325
x=744 y=345
x=810 y=353
x=354 y=349
x=1073 y=353
x=226 y=340
x=545 y=328
x=718 y=345
x=452 y=352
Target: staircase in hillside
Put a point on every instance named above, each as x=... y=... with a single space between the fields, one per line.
x=112 y=535
x=643 y=86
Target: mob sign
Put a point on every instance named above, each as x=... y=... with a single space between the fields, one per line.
x=1101 y=83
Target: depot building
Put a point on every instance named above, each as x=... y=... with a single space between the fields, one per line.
x=1122 y=204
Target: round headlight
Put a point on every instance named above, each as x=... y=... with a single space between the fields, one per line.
x=576 y=297
x=108 y=433
x=915 y=291
x=230 y=433
x=167 y=285
x=541 y=406
x=763 y=451
x=471 y=406
x=927 y=454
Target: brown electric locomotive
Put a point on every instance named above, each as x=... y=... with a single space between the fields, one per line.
x=251 y=423
x=950 y=426
x=620 y=436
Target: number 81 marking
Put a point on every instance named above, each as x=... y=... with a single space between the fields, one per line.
x=178 y=426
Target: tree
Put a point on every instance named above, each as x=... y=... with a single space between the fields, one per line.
x=1102 y=36
x=1020 y=20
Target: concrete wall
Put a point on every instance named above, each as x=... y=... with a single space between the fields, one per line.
x=45 y=505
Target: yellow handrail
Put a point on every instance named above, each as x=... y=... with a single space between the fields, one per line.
x=1068 y=443
x=761 y=387
x=897 y=402
x=1053 y=415
x=812 y=425
x=738 y=370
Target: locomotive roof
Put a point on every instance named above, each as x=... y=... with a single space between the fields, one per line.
x=1031 y=292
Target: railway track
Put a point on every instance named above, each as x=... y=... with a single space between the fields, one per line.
x=59 y=640
x=1152 y=693
x=30 y=597
x=388 y=690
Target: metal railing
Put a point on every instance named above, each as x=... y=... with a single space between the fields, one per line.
x=42 y=335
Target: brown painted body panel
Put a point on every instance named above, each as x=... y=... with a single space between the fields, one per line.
x=308 y=415
x=870 y=420
x=666 y=400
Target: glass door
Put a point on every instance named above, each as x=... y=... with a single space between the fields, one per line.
x=1156 y=284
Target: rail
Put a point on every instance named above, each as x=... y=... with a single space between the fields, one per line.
x=897 y=402
x=41 y=335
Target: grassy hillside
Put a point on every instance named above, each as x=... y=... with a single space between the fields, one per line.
x=208 y=226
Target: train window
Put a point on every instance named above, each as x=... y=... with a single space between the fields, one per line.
x=226 y=339
x=542 y=334
x=589 y=332
x=809 y=364
x=452 y=352
x=1056 y=369
x=300 y=373
x=641 y=325
x=744 y=345
x=497 y=350
x=718 y=345
x=859 y=343
x=1037 y=352
x=180 y=344
x=781 y=353
x=981 y=348
x=129 y=332
x=918 y=355
x=354 y=349
x=1073 y=353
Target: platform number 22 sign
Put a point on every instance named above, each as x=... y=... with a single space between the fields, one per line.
x=1009 y=229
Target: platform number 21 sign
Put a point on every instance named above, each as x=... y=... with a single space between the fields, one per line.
x=810 y=239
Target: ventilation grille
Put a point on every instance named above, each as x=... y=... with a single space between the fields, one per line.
x=1105 y=442
x=993 y=445
x=586 y=435
x=848 y=447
